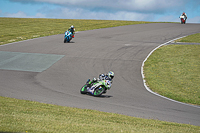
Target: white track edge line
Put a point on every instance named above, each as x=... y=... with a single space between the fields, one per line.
x=144 y=81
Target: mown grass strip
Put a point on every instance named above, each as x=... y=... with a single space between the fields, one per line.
x=28 y=116
x=18 y=29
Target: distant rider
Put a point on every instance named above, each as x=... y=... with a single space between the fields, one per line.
x=184 y=14
x=108 y=76
x=72 y=30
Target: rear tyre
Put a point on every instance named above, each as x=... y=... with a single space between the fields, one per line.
x=99 y=91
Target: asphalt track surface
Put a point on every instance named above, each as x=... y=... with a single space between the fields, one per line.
x=120 y=49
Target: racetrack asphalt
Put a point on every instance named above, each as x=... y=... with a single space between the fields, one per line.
x=120 y=49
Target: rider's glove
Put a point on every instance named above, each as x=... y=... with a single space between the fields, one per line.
x=94 y=79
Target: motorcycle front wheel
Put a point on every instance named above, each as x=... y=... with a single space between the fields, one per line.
x=84 y=89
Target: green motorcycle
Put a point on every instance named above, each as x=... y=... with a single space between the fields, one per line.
x=97 y=88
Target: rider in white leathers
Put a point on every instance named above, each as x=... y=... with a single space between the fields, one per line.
x=108 y=76
x=184 y=15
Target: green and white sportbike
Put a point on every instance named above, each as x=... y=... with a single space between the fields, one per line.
x=97 y=88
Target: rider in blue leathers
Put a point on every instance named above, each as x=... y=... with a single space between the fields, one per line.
x=72 y=30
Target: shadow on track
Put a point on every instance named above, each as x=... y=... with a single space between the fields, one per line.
x=102 y=96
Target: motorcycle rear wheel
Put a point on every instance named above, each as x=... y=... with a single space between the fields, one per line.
x=99 y=91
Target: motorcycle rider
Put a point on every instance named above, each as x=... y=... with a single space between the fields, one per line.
x=184 y=14
x=108 y=76
x=72 y=30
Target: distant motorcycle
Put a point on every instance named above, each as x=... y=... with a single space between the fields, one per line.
x=68 y=36
x=97 y=88
x=183 y=19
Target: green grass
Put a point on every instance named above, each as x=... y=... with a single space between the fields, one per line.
x=195 y=38
x=18 y=29
x=174 y=71
x=28 y=116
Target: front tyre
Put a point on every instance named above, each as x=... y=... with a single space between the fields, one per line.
x=99 y=91
x=84 y=89
x=68 y=40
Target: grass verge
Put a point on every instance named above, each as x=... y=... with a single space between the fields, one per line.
x=195 y=38
x=27 y=116
x=174 y=71
x=18 y=29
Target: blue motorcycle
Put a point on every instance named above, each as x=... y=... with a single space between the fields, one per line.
x=68 y=36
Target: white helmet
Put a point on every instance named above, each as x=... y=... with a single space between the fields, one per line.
x=110 y=75
x=72 y=27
